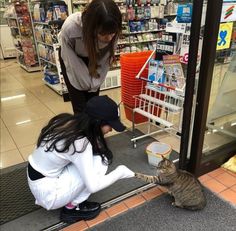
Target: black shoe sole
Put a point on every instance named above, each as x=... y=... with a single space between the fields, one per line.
x=68 y=218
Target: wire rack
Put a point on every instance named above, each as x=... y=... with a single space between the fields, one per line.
x=160 y=102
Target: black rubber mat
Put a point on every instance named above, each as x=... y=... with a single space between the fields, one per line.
x=134 y=158
x=16 y=198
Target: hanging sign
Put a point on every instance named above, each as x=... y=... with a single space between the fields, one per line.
x=224 y=36
x=184 y=13
x=184 y=48
x=228 y=13
x=175 y=27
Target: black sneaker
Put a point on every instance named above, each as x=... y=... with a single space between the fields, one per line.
x=89 y=206
x=84 y=211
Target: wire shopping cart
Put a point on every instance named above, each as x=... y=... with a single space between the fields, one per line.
x=160 y=101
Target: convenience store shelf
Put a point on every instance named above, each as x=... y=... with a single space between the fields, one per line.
x=47 y=61
x=143 y=32
x=46 y=44
x=55 y=87
x=30 y=69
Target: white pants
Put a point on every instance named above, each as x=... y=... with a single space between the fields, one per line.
x=54 y=193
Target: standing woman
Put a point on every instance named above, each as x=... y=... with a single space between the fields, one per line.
x=88 y=42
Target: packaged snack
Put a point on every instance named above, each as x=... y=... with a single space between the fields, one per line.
x=56 y=12
x=42 y=13
x=139 y=12
x=63 y=12
x=132 y=26
x=36 y=12
x=130 y=13
x=147 y=12
x=49 y=15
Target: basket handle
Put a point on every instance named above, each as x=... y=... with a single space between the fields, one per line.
x=144 y=66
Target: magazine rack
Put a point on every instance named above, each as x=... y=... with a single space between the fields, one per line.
x=160 y=102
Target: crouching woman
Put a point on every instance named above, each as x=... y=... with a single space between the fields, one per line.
x=71 y=160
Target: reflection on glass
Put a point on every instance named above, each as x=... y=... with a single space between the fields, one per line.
x=221 y=121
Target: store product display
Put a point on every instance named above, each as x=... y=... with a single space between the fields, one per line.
x=19 y=21
x=161 y=96
x=48 y=18
x=143 y=24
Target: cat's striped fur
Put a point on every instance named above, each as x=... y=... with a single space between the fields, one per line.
x=182 y=185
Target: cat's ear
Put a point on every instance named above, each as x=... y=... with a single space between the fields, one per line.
x=163 y=158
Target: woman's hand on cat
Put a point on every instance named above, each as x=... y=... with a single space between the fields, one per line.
x=126 y=172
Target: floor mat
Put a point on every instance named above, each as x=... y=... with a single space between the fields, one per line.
x=16 y=199
x=158 y=214
x=134 y=158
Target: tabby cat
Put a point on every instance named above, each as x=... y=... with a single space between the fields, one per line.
x=182 y=185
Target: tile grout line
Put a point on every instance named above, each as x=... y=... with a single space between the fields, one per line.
x=227 y=187
x=223 y=183
x=17 y=148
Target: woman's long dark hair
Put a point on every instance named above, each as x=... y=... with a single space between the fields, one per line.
x=100 y=17
x=63 y=130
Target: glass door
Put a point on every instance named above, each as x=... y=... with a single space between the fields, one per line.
x=212 y=139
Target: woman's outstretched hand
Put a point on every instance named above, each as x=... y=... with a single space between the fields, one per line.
x=126 y=172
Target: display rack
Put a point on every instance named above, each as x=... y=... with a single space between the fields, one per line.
x=161 y=98
x=48 y=17
x=145 y=22
x=20 y=23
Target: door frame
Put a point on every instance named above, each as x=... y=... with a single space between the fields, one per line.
x=197 y=163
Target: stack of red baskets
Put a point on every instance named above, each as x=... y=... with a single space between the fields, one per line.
x=131 y=64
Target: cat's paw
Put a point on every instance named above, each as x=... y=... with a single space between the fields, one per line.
x=176 y=205
x=138 y=175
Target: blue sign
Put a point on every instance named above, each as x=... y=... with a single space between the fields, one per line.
x=184 y=13
x=222 y=35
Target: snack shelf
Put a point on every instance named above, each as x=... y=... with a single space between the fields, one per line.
x=19 y=21
x=30 y=69
x=55 y=87
x=47 y=61
x=48 y=18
